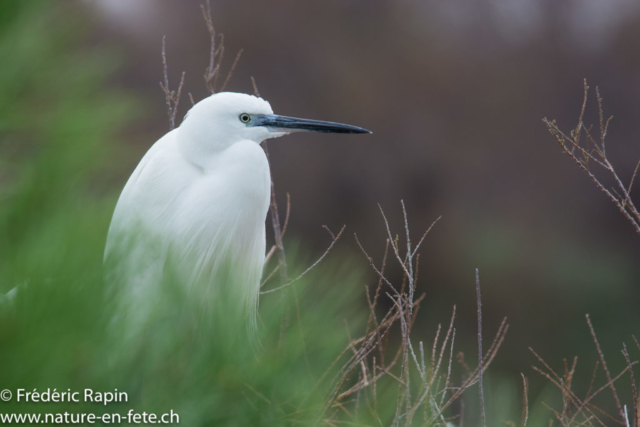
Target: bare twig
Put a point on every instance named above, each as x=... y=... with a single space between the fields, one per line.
x=593 y=151
x=435 y=346
x=165 y=86
x=634 y=390
x=277 y=230
x=372 y=264
x=256 y=92
x=633 y=178
x=172 y=98
x=216 y=54
x=481 y=369
x=276 y=244
x=231 y=70
x=487 y=359
x=605 y=367
x=448 y=377
x=211 y=70
x=444 y=345
x=581 y=406
x=525 y=401
x=311 y=267
x=265 y=281
x=415 y=251
x=434 y=392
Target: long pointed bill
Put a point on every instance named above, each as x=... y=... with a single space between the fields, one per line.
x=291 y=124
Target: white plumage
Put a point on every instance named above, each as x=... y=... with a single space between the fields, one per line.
x=200 y=197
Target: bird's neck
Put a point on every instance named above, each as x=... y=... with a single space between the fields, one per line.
x=202 y=149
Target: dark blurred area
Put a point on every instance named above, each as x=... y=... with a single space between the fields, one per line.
x=454 y=92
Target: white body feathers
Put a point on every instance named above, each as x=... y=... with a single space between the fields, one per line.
x=200 y=195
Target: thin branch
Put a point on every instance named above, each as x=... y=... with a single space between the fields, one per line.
x=633 y=178
x=435 y=391
x=415 y=250
x=216 y=54
x=282 y=233
x=312 y=266
x=256 y=92
x=634 y=390
x=231 y=70
x=211 y=69
x=582 y=153
x=176 y=100
x=275 y=223
x=605 y=367
x=165 y=87
x=448 y=377
x=444 y=345
x=394 y=245
x=608 y=384
x=264 y=282
x=172 y=98
x=559 y=383
x=525 y=401
x=481 y=390
x=372 y=264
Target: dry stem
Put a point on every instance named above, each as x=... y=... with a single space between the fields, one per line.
x=172 y=98
x=591 y=150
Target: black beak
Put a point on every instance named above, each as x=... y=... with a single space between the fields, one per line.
x=292 y=124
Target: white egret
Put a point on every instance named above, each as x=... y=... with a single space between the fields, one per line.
x=201 y=194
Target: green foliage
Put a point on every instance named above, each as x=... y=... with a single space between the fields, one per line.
x=57 y=122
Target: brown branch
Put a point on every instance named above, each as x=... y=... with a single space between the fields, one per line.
x=605 y=367
x=580 y=405
x=481 y=390
x=275 y=223
x=425 y=235
x=256 y=92
x=525 y=401
x=172 y=98
x=211 y=70
x=582 y=154
x=435 y=346
x=574 y=399
x=490 y=354
x=601 y=389
x=264 y=282
x=444 y=345
x=216 y=54
x=394 y=245
x=311 y=267
x=277 y=244
x=231 y=70
x=593 y=378
x=435 y=391
x=372 y=264
x=634 y=390
x=633 y=178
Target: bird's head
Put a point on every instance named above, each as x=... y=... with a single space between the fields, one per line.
x=225 y=118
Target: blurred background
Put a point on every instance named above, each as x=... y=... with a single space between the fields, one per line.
x=454 y=92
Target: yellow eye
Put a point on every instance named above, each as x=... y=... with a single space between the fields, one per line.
x=245 y=118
